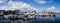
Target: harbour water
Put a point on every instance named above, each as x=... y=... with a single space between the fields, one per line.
x=38 y=19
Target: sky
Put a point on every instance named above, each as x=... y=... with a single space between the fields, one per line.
x=30 y=4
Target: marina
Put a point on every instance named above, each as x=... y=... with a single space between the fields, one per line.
x=17 y=14
x=29 y=11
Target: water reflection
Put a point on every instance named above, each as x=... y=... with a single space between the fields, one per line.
x=37 y=20
x=46 y=19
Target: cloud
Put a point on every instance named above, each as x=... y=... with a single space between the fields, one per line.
x=43 y=1
x=22 y=6
x=18 y=6
x=4 y=8
x=3 y=1
x=51 y=8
